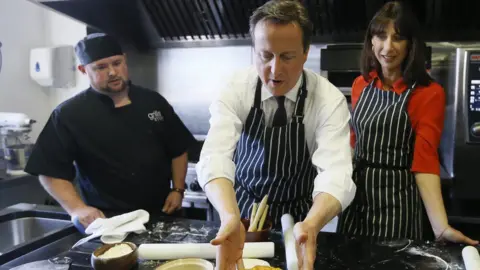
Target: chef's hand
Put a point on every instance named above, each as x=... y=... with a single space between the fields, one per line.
x=173 y=202
x=305 y=244
x=86 y=215
x=230 y=240
x=452 y=235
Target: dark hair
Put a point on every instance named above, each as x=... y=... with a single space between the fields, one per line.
x=284 y=12
x=407 y=26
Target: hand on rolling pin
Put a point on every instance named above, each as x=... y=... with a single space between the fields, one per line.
x=305 y=245
x=230 y=241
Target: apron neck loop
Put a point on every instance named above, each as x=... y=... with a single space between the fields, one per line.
x=258 y=94
x=302 y=95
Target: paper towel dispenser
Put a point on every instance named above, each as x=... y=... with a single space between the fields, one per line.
x=53 y=66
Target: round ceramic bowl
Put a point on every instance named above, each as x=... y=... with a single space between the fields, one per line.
x=186 y=264
x=258 y=236
x=123 y=262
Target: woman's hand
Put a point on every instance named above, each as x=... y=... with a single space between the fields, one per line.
x=455 y=236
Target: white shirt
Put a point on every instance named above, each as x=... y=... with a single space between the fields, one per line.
x=326 y=124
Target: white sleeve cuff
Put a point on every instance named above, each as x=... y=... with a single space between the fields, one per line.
x=212 y=167
x=338 y=185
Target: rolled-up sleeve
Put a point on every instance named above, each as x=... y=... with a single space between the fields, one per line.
x=431 y=116
x=332 y=157
x=216 y=157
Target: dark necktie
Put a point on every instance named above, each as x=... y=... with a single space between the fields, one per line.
x=280 y=116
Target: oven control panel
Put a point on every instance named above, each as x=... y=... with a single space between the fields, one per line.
x=195 y=197
x=191 y=180
x=473 y=97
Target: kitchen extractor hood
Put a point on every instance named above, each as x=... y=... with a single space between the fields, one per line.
x=150 y=24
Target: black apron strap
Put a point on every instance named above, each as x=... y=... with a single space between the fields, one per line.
x=300 y=104
x=258 y=94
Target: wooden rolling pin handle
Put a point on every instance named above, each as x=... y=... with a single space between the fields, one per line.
x=258 y=215
x=254 y=212
x=264 y=216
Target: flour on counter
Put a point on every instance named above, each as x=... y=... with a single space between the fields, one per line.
x=411 y=266
x=405 y=247
x=426 y=254
x=382 y=262
x=441 y=263
x=417 y=251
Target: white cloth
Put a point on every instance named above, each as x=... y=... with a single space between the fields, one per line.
x=117 y=228
x=326 y=123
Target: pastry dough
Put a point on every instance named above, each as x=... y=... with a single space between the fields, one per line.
x=116 y=251
x=259 y=267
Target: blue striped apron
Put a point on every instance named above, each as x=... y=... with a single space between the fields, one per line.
x=274 y=161
x=387 y=204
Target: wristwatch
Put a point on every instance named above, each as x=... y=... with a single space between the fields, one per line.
x=179 y=190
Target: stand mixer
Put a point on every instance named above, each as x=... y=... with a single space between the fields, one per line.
x=14 y=130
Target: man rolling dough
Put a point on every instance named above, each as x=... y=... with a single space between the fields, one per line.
x=278 y=130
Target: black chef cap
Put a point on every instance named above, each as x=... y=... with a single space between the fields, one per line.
x=97 y=46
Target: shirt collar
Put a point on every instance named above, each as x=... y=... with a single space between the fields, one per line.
x=291 y=94
x=399 y=86
x=106 y=99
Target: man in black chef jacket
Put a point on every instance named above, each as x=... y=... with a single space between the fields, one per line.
x=121 y=142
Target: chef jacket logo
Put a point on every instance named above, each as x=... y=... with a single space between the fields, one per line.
x=155 y=116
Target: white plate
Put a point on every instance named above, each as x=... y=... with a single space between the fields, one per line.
x=187 y=264
x=250 y=263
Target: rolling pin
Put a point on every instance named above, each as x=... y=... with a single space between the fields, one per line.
x=471 y=258
x=169 y=251
x=289 y=241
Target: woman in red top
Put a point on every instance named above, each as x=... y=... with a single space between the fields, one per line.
x=397 y=121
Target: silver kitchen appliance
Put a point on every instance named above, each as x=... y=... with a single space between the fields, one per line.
x=463 y=73
x=195 y=197
x=341 y=65
x=15 y=141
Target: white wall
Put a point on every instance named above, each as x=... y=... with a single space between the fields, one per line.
x=62 y=30
x=25 y=25
x=22 y=28
x=190 y=79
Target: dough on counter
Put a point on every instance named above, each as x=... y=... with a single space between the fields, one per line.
x=116 y=251
x=261 y=267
